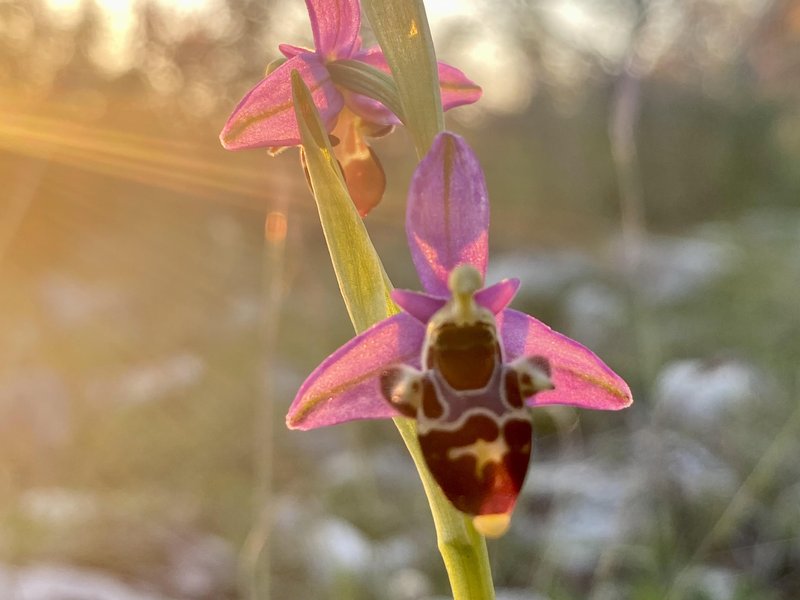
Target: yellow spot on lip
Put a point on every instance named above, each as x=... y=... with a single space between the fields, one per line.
x=483 y=451
x=492 y=526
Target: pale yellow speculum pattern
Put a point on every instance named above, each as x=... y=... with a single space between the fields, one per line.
x=483 y=451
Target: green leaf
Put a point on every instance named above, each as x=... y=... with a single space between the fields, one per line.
x=362 y=78
x=362 y=280
x=405 y=38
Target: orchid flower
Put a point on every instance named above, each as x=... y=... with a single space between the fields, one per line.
x=265 y=117
x=457 y=359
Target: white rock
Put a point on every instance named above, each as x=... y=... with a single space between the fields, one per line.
x=590 y=508
x=593 y=312
x=202 y=567
x=582 y=479
x=673 y=269
x=714 y=582
x=406 y=584
x=395 y=554
x=72 y=303
x=699 y=392
x=681 y=459
x=542 y=275
x=336 y=547
x=150 y=382
x=58 y=582
x=58 y=507
x=697 y=471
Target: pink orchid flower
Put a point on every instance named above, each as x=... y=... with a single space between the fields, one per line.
x=457 y=359
x=265 y=116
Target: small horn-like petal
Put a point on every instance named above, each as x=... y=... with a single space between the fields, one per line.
x=457 y=89
x=498 y=296
x=420 y=306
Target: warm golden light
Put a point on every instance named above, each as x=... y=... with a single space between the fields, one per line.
x=155 y=161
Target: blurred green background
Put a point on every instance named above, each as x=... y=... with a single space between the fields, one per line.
x=643 y=160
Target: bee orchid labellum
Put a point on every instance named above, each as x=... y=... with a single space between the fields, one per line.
x=472 y=423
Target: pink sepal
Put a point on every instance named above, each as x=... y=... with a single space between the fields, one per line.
x=345 y=386
x=581 y=379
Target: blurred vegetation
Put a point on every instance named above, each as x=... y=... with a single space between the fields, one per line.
x=643 y=159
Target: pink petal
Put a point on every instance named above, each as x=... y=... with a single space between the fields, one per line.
x=420 y=306
x=335 y=25
x=370 y=110
x=580 y=377
x=367 y=108
x=447 y=218
x=496 y=297
x=423 y=306
x=457 y=89
x=290 y=50
x=346 y=385
x=265 y=116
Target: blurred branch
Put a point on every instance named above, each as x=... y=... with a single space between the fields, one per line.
x=256 y=553
x=623 y=119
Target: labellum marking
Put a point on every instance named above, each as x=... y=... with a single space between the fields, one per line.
x=483 y=452
x=472 y=424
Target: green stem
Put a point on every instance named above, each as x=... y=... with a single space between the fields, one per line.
x=403 y=33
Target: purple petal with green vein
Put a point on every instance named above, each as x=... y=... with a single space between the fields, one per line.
x=290 y=50
x=456 y=88
x=265 y=116
x=335 y=25
x=581 y=379
x=346 y=385
x=447 y=217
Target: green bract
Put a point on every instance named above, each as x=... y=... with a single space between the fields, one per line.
x=405 y=38
x=362 y=279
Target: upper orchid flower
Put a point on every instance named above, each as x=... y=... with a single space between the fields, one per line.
x=265 y=116
x=457 y=359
